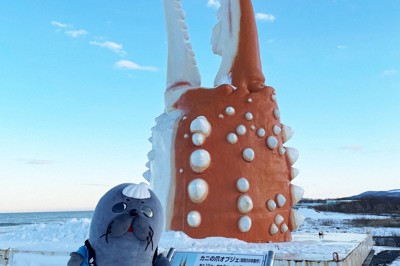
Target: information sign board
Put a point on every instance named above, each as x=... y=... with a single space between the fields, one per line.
x=218 y=259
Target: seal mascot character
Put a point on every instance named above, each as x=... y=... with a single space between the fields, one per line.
x=125 y=230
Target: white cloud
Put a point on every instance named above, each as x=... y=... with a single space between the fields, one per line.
x=352 y=148
x=341 y=46
x=389 y=72
x=76 y=33
x=265 y=17
x=115 y=47
x=126 y=64
x=35 y=161
x=214 y=4
x=59 y=24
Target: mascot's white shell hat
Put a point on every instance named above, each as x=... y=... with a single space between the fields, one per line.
x=137 y=191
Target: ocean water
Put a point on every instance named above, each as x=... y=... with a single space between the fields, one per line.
x=44 y=230
x=14 y=221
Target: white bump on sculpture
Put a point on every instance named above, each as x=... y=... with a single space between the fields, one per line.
x=248 y=116
x=273 y=97
x=220 y=116
x=181 y=170
x=248 y=154
x=194 y=219
x=278 y=219
x=137 y=191
x=294 y=172
x=276 y=129
x=277 y=114
x=282 y=150
x=200 y=124
x=200 y=160
x=271 y=205
x=186 y=136
x=198 y=190
x=293 y=155
x=198 y=139
x=253 y=127
x=244 y=224
x=274 y=229
x=297 y=193
x=261 y=132
x=245 y=204
x=280 y=200
x=284 y=228
x=230 y=110
x=296 y=219
x=241 y=130
x=287 y=133
x=272 y=142
x=249 y=100
x=242 y=184
x=232 y=138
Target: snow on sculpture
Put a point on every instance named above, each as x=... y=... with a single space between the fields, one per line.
x=219 y=163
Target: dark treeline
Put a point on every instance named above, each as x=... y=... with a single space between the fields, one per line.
x=369 y=205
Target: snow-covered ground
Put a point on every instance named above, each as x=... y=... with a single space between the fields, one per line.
x=333 y=222
x=64 y=237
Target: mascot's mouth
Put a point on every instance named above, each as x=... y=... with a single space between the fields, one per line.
x=138 y=225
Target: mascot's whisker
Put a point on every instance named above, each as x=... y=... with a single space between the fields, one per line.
x=150 y=238
x=108 y=231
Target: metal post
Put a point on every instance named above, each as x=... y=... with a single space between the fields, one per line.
x=171 y=254
x=269 y=258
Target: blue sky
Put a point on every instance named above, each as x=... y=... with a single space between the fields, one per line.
x=81 y=83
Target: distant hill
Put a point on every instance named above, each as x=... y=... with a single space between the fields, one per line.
x=395 y=193
x=372 y=202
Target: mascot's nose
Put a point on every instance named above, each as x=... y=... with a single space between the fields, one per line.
x=133 y=212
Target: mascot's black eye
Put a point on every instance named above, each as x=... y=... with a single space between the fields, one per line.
x=119 y=207
x=147 y=211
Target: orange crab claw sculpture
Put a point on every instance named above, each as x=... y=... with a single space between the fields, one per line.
x=218 y=163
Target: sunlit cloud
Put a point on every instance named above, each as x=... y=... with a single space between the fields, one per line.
x=59 y=24
x=126 y=64
x=35 y=161
x=352 y=148
x=115 y=47
x=76 y=33
x=389 y=72
x=265 y=17
x=214 y=4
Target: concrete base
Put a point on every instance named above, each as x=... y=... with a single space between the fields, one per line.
x=329 y=249
x=344 y=249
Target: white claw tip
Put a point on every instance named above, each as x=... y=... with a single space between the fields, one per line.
x=296 y=219
x=293 y=155
x=288 y=133
x=297 y=194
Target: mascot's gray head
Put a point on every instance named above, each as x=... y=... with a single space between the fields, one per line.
x=126 y=226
